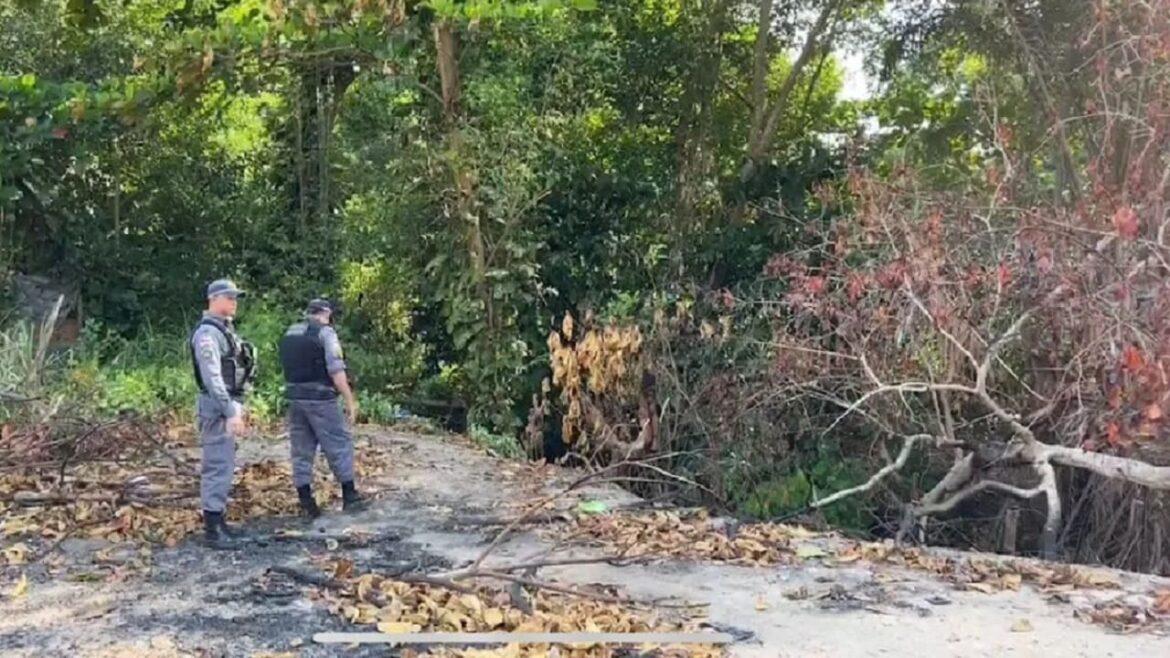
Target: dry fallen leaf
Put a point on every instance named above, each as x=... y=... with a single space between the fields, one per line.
x=845 y=557
x=493 y=617
x=1162 y=602
x=342 y=569
x=1022 y=626
x=986 y=588
x=16 y=554
x=397 y=627
x=807 y=552
x=684 y=534
x=1012 y=581
x=761 y=604
x=21 y=587
x=413 y=607
x=1102 y=580
x=260 y=492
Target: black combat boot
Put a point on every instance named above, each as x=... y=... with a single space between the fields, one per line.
x=233 y=531
x=213 y=532
x=308 y=503
x=350 y=500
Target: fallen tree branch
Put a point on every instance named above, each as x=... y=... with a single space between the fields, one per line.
x=960 y=473
x=540 y=504
x=485 y=520
x=422 y=579
x=308 y=577
x=966 y=492
x=903 y=456
x=1110 y=466
x=552 y=587
x=128 y=494
x=885 y=471
x=617 y=561
x=6 y=396
x=594 y=596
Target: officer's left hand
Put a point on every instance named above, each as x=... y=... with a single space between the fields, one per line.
x=351 y=412
x=236 y=426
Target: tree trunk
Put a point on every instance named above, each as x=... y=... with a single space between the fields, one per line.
x=768 y=114
x=321 y=90
x=1011 y=529
x=695 y=158
x=447 y=60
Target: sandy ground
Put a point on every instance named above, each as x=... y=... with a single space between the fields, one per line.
x=194 y=601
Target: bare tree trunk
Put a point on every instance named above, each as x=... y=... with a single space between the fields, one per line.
x=761 y=61
x=322 y=88
x=695 y=158
x=1040 y=90
x=447 y=52
x=769 y=112
x=1054 y=515
x=1011 y=529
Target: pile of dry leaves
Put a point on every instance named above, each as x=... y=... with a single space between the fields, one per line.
x=697 y=537
x=151 y=499
x=1125 y=612
x=686 y=535
x=394 y=606
x=981 y=574
x=265 y=488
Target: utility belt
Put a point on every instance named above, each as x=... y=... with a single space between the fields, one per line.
x=309 y=391
x=236 y=396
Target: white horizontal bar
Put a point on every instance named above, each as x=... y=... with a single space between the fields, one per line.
x=522 y=638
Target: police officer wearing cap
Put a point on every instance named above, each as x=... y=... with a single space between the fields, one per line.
x=314 y=375
x=224 y=366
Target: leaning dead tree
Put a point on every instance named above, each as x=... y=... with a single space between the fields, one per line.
x=961 y=350
x=1019 y=337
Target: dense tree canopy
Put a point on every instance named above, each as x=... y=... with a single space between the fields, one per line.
x=675 y=189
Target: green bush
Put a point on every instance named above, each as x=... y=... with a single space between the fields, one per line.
x=450 y=383
x=790 y=493
x=263 y=324
x=501 y=445
x=378 y=301
x=377 y=408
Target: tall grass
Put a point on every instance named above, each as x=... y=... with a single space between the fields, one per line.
x=107 y=373
x=26 y=367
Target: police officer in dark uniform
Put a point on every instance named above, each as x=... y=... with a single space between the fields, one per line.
x=224 y=367
x=314 y=375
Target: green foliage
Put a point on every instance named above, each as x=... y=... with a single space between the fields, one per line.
x=378 y=306
x=779 y=496
x=505 y=446
x=821 y=477
x=263 y=323
x=304 y=149
x=377 y=408
x=506 y=9
x=27 y=370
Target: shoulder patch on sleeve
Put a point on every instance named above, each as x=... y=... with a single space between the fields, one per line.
x=206 y=346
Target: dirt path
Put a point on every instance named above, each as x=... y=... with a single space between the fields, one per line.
x=193 y=601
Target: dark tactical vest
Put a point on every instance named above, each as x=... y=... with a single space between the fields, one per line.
x=302 y=357
x=238 y=366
